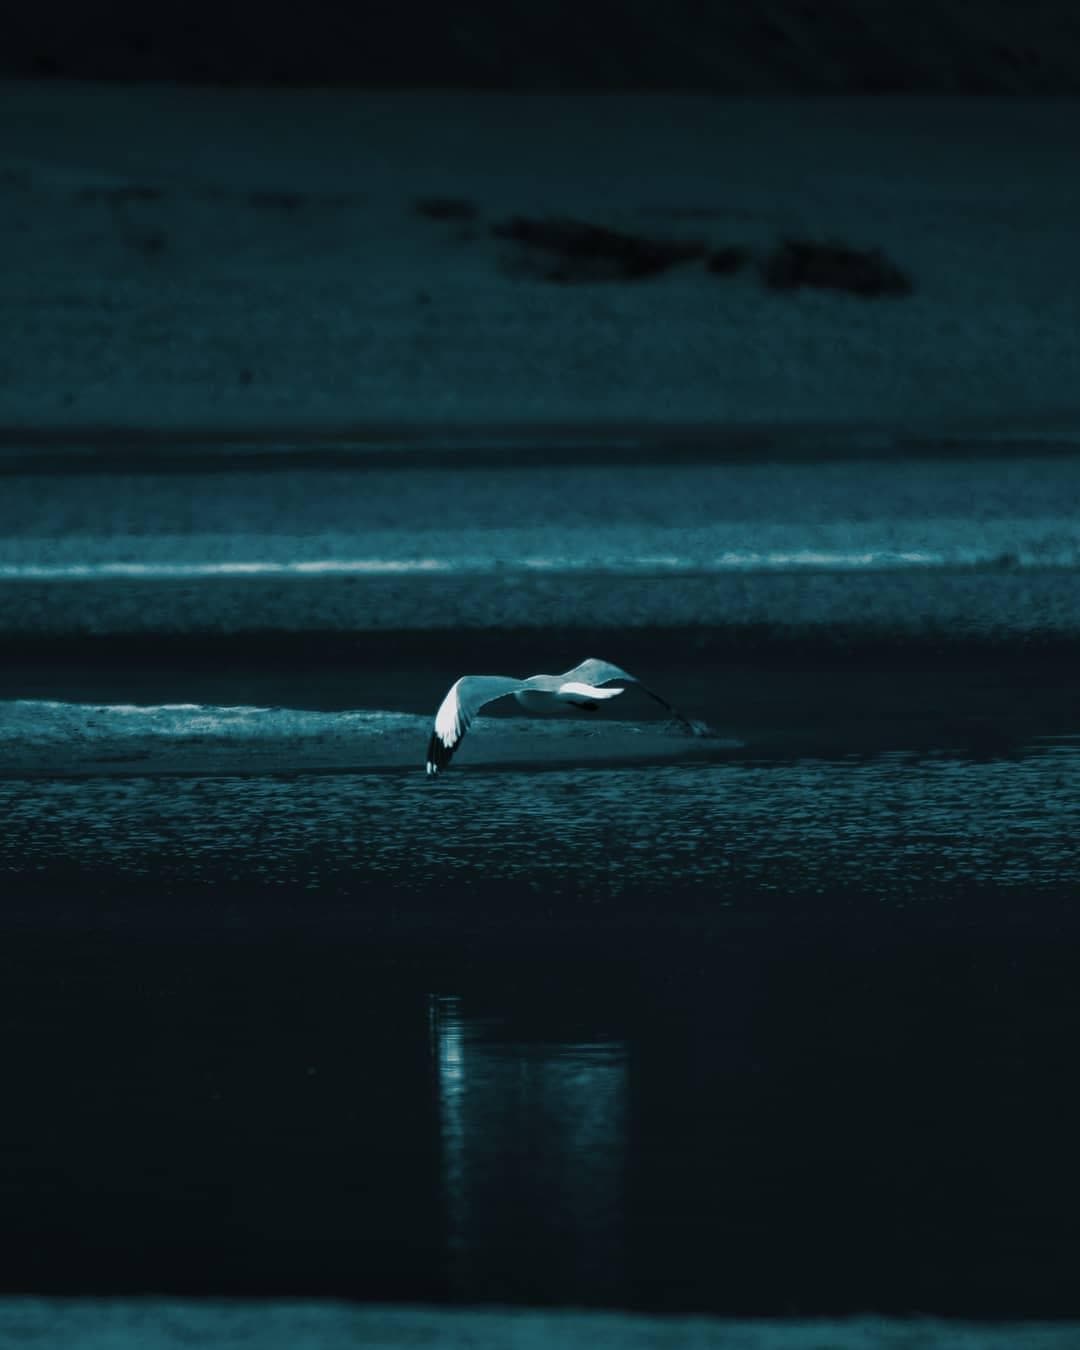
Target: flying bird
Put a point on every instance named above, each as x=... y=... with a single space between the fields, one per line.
x=581 y=687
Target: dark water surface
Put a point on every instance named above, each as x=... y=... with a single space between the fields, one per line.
x=784 y=1034
x=897 y=829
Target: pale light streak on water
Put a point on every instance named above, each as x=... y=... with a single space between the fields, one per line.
x=546 y=1120
x=189 y=571
x=506 y=552
x=31 y=720
x=897 y=827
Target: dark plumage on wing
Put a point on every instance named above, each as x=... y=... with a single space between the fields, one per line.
x=438 y=754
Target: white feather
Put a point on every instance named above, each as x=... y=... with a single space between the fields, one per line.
x=448 y=718
x=576 y=688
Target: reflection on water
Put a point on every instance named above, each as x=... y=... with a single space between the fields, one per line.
x=783 y=1125
x=532 y=1159
x=779 y=1118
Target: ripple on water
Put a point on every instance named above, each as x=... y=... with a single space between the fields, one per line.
x=892 y=827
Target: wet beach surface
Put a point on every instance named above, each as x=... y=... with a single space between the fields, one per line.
x=254 y=259
x=781 y=1029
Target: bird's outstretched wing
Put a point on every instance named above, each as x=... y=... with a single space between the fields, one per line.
x=594 y=671
x=463 y=701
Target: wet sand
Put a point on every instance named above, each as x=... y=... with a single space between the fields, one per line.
x=159 y=1324
x=253 y=261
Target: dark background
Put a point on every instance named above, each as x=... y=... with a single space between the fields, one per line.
x=774 y=46
x=222 y=1075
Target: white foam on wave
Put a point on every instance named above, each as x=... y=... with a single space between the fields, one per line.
x=741 y=561
x=183 y=571
x=38 y=720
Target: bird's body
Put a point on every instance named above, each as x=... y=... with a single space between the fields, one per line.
x=582 y=687
x=570 y=693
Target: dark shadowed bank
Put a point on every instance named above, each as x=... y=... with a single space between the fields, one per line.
x=616 y=44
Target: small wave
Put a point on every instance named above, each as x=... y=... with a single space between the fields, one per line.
x=36 y=720
x=182 y=571
x=736 y=561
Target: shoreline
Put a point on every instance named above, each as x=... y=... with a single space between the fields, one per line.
x=132 y=447
x=40 y=739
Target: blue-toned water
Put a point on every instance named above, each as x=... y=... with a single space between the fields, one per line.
x=789 y=1029
x=895 y=828
x=976 y=546
x=782 y=1034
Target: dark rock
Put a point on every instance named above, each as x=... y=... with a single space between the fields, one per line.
x=564 y=250
x=833 y=266
x=728 y=260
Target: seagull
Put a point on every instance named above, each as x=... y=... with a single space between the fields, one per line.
x=581 y=687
